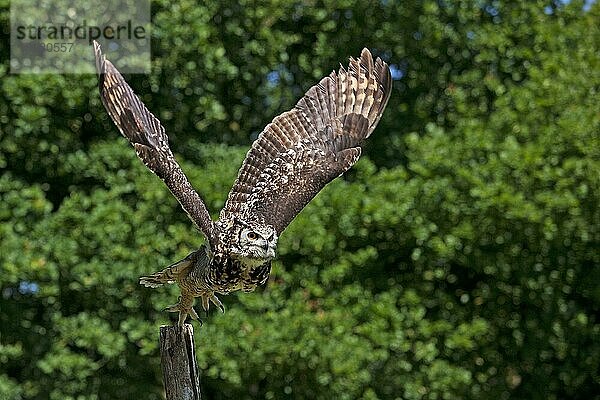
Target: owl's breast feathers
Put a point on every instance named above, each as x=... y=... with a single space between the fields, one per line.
x=228 y=274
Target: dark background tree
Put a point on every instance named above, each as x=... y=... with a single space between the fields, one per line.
x=459 y=258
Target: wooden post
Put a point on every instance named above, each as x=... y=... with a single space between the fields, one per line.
x=178 y=359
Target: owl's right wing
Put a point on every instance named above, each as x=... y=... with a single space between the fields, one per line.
x=305 y=148
x=145 y=132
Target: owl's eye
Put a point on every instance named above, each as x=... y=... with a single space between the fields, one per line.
x=252 y=236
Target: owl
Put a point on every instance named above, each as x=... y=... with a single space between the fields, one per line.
x=292 y=159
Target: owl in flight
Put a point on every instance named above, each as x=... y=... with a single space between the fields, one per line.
x=294 y=157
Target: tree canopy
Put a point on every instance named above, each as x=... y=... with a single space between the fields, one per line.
x=458 y=259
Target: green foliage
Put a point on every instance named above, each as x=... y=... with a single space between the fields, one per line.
x=458 y=259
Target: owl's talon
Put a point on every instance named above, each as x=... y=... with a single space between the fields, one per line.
x=206 y=300
x=193 y=314
x=205 y=304
x=183 y=312
x=181 y=319
x=217 y=303
x=172 y=308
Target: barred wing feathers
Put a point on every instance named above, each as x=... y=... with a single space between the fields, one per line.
x=145 y=132
x=303 y=149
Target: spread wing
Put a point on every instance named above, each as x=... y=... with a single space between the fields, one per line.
x=303 y=149
x=145 y=132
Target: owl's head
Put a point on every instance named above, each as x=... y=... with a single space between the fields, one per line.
x=254 y=242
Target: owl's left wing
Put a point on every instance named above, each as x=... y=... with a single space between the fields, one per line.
x=145 y=132
x=303 y=149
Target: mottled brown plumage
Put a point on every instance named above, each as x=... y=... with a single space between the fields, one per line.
x=295 y=156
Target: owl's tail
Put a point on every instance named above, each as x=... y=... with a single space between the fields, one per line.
x=169 y=274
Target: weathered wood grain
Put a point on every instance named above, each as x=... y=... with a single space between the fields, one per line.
x=178 y=360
